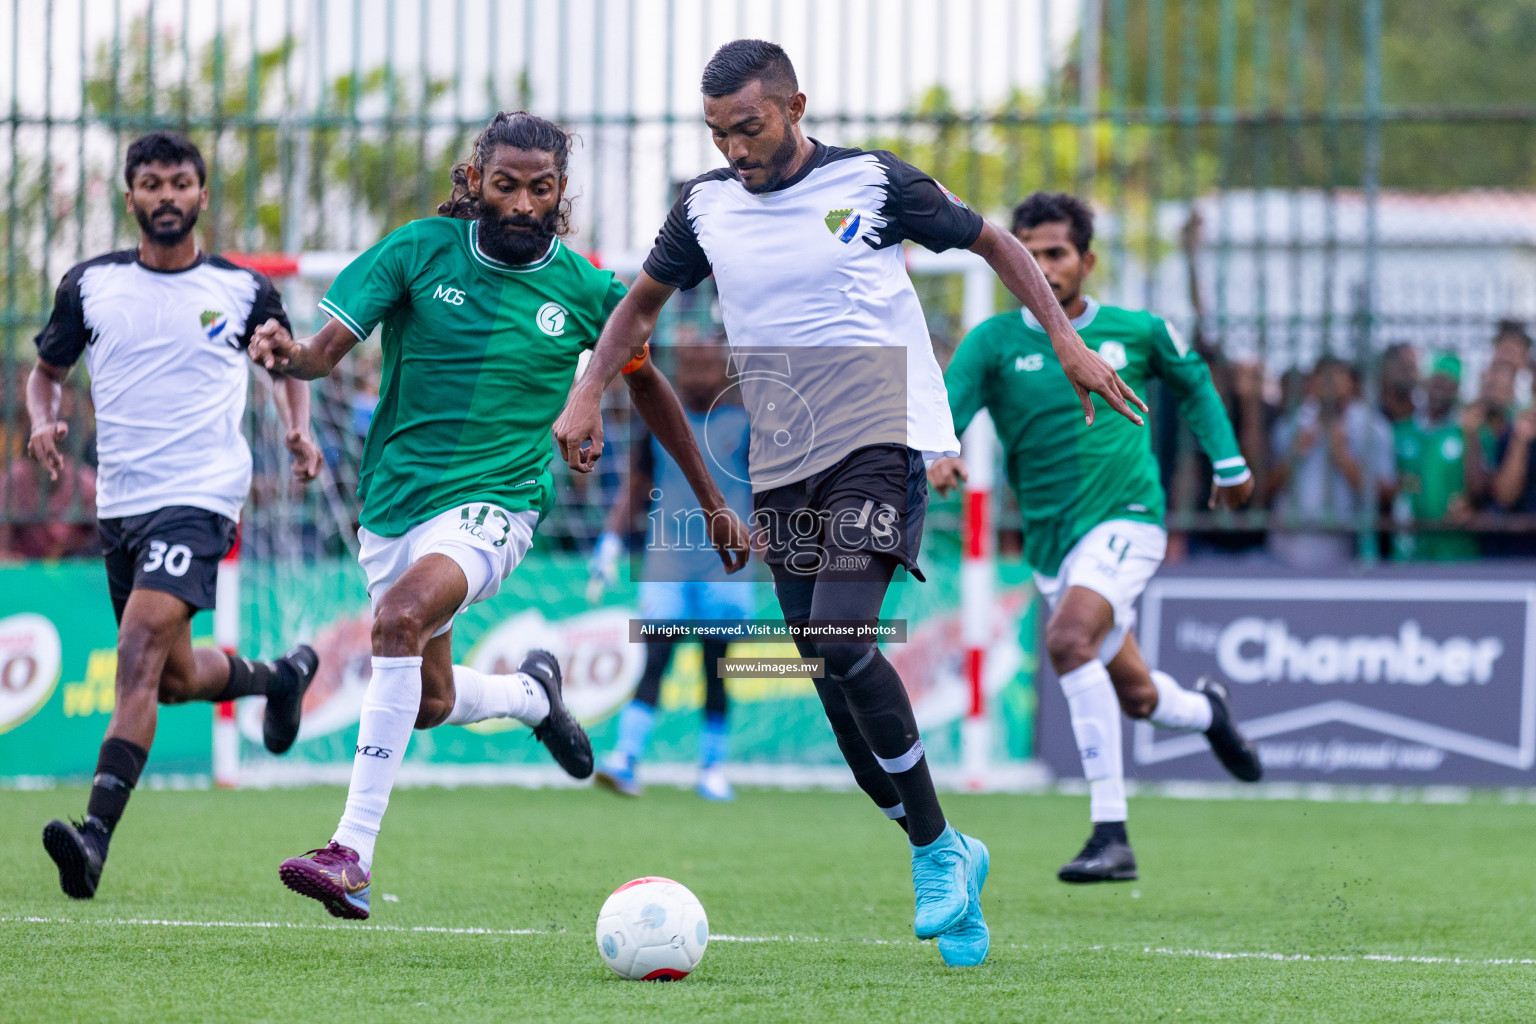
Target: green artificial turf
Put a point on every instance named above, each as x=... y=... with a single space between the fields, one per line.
x=1342 y=884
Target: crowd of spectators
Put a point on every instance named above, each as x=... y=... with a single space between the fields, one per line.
x=1416 y=474
x=1432 y=469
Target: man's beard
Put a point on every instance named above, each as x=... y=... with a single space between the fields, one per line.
x=166 y=236
x=775 y=165
x=517 y=239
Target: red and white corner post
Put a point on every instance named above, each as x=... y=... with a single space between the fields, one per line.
x=978 y=571
x=978 y=566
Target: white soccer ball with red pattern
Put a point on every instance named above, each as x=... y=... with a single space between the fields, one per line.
x=652 y=929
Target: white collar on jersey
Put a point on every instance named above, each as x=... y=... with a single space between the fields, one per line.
x=509 y=268
x=1078 y=322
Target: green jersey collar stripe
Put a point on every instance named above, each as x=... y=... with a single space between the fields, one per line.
x=327 y=306
x=1078 y=323
x=507 y=268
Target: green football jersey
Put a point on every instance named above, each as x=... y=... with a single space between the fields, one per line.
x=478 y=358
x=1069 y=476
x=1430 y=458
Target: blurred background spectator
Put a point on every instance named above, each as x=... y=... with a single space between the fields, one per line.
x=1333 y=461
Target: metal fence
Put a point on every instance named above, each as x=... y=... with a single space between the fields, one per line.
x=1280 y=178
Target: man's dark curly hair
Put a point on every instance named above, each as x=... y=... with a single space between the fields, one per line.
x=520 y=130
x=1054 y=208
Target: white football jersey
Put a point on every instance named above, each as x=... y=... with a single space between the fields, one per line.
x=813 y=273
x=169 y=374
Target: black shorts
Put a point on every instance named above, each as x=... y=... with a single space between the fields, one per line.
x=874 y=500
x=175 y=549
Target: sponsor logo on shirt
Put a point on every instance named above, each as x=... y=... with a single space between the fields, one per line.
x=845 y=225
x=452 y=296
x=213 y=322
x=1113 y=353
x=1029 y=364
x=1451 y=448
x=551 y=319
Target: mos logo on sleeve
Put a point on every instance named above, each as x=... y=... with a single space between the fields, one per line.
x=551 y=319
x=952 y=197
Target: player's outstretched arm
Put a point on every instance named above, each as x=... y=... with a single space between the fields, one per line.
x=276 y=350
x=629 y=327
x=45 y=393
x=1087 y=372
x=657 y=404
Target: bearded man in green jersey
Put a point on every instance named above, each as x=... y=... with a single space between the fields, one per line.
x=485 y=313
x=1092 y=504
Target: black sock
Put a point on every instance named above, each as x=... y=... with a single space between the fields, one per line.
x=117 y=771
x=871 y=778
x=1110 y=832
x=247 y=678
x=879 y=704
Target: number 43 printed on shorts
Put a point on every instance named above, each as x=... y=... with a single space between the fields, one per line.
x=481 y=521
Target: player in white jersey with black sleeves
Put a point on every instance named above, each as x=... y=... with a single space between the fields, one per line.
x=163 y=329
x=837 y=373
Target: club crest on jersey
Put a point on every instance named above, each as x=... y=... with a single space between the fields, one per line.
x=845 y=225
x=1113 y=353
x=213 y=322
x=551 y=319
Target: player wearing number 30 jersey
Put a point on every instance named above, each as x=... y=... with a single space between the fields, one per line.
x=484 y=314
x=163 y=328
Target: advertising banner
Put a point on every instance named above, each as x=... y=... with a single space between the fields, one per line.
x=774 y=720
x=58 y=665
x=1405 y=675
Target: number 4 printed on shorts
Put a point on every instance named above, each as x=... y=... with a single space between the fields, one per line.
x=176 y=558
x=475 y=522
x=1118 y=545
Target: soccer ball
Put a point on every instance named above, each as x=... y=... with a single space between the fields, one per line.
x=652 y=929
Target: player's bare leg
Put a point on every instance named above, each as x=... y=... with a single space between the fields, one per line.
x=1156 y=696
x=415 y=685
x=1096 y=694
x=156 y=664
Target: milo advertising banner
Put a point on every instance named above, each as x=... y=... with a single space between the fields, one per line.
x=1420 y=675
x=57 y=664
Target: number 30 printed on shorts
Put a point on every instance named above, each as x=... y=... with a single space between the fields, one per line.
x=480 y=520
x=175 y=559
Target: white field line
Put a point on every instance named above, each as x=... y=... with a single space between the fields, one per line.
x=1206 y=954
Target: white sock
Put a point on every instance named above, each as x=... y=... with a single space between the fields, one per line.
x=1095 y=714
x=1178 y=708
x=478 y=696
x=383 y=730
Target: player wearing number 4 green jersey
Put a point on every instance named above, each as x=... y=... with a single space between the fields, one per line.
x=484 y=313
x=1092 y=505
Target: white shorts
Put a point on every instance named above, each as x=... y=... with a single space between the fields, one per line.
x=1114 y=560
x=485 y=541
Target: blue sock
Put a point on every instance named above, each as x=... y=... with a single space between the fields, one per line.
x=634 y=729
x=714 y=739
